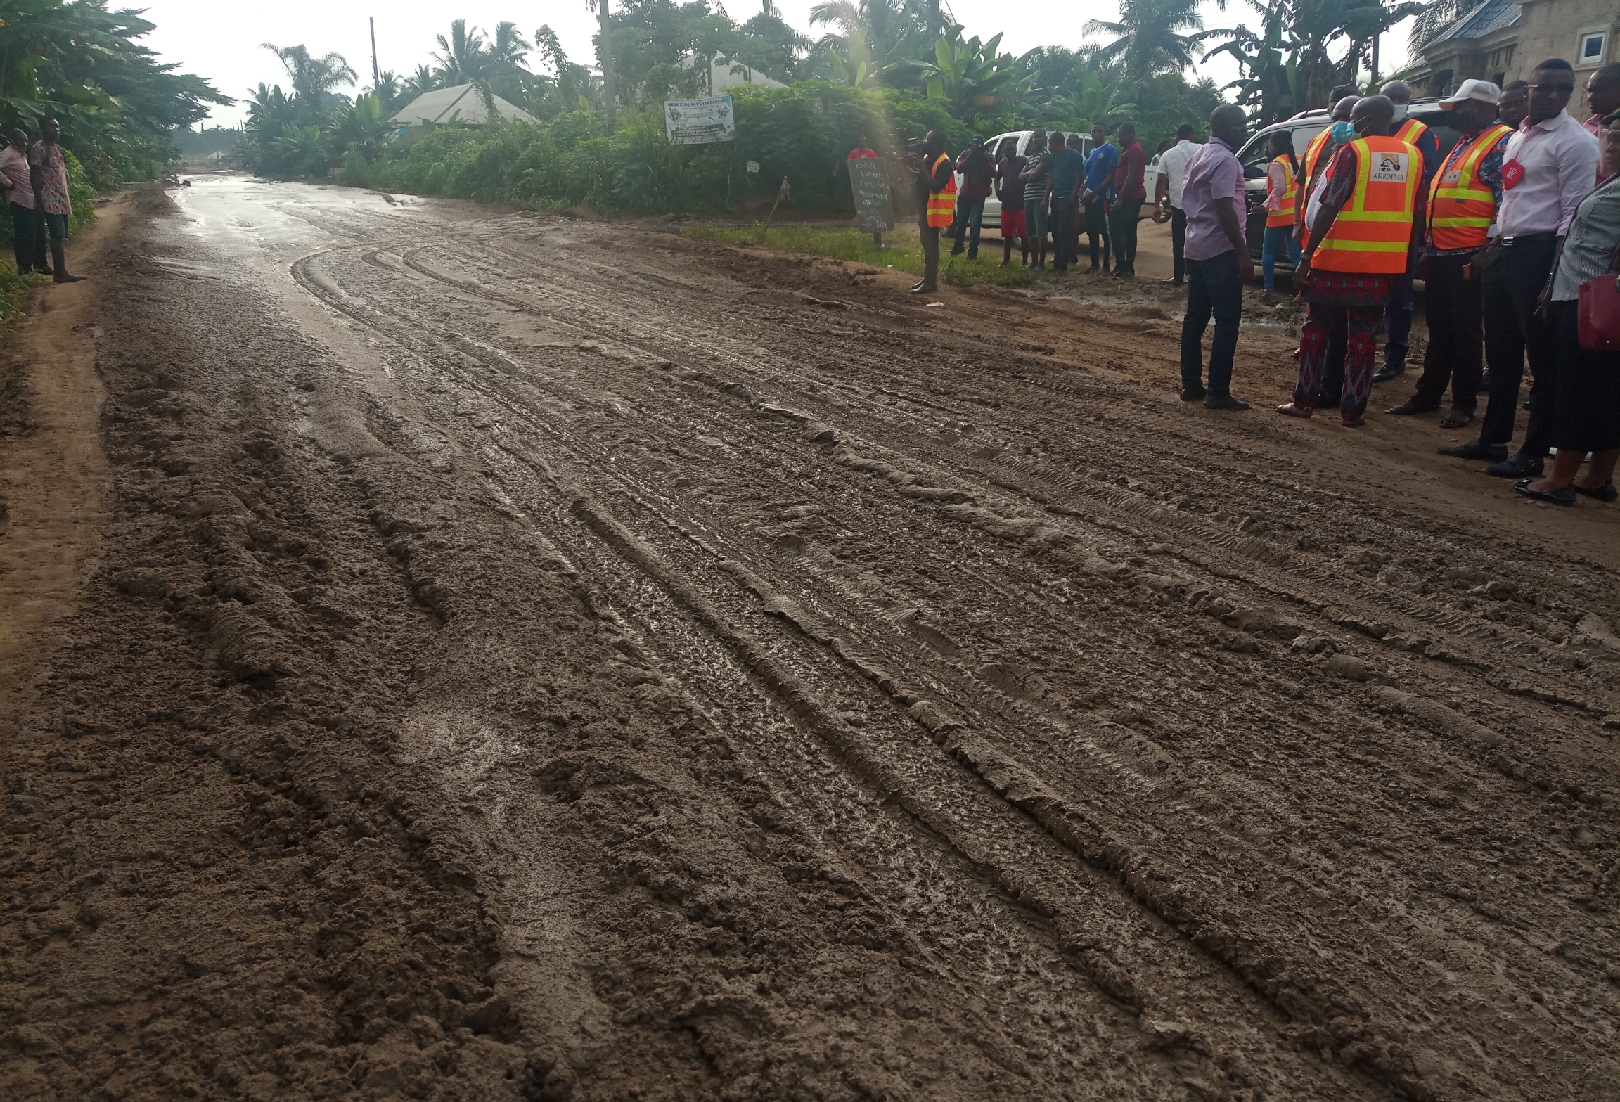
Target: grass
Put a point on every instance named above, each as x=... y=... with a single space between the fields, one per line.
x=904 y=255
x=12 y=289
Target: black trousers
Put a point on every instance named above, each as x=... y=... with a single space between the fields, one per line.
x=1097 y=229
x=1063 y=228
x=1456 y=346
x=28 y=239
x=1178 y=241
x=1514 y=277
x=930 y=250
x=1124 y=217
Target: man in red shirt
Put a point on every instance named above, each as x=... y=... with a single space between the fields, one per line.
x=1130 y=194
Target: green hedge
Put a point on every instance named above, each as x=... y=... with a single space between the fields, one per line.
x=803 y=133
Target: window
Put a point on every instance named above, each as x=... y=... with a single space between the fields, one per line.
x=1591 y=47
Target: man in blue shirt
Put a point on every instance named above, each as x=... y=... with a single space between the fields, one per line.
x=1100 y=165
x=1068 y=174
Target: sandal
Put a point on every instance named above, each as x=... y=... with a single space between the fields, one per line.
x=1457 y=418
x=1292 y=410
x=1566 y=496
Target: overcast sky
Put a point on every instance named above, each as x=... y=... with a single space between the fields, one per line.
x=221 y=41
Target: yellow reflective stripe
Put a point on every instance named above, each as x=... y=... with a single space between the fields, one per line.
x=1461 y=195
x=1343 y=245
x=1455 y=222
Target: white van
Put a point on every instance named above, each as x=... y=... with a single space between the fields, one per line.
x=992 y=205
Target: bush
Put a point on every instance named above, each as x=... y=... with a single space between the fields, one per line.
x=803 y=133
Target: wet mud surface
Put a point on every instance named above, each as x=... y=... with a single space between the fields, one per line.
x=533 y=659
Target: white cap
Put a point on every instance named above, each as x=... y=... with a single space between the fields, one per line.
x=1482 y=90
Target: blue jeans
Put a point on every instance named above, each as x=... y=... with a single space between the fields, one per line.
x=969 y=216
x=1213 y=287
x=1277 y=236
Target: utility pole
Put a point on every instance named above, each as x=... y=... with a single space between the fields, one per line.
x=935 y=26
x=604 y=52
x=1376 y=36
x=376 y=77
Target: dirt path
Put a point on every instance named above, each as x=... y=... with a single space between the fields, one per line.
x=533 y=659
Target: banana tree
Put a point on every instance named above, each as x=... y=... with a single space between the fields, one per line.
x=972 y=78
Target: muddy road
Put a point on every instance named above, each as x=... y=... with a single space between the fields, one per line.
x=508 y=656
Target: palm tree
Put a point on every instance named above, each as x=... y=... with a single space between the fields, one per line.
x=313 y=78
x=463 y=56
x=422 y=81
x=1148 y=37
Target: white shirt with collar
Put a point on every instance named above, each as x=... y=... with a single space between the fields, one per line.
x=1559 y=159
x=1173 y=163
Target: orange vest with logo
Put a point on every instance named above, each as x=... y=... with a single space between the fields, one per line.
x=1461 y=208
x=1313 y=152
x=1373 y=230
x=1284 y=215
x=942 y=204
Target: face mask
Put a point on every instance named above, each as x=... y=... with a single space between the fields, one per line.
x=1343 y=132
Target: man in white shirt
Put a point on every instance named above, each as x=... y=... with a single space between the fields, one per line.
x=1548 y=167
x=1173 y=164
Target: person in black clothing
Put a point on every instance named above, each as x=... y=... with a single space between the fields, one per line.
x=931 y=174
x=978 y=174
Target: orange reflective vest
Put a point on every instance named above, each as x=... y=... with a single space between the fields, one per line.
x=942 y=204
x=1410 y=131
x=1461 y=209
x=1373 y=231
x=1284 y=215
x=1313 y=152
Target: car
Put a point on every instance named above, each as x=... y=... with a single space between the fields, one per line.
x=1254 y=157
x=992 y=205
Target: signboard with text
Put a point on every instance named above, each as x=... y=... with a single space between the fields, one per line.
x=697 y=121
x=869 y=180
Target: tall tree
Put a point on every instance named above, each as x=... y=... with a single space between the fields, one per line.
x=1149 y=36
x=462 y=57
x=313 y=78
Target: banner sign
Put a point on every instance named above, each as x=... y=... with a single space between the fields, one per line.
x=697 y=121
x=869 y=180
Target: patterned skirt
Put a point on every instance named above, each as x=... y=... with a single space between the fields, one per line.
x=1347 y=288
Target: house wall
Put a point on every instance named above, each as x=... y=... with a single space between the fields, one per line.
x=1552 y=28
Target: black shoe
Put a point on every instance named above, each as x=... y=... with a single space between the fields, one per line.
x=1225 y=401
x=925 y=289
x=1387 y=372
x=45 y=271
x=1518 y=466
x=958 y=251
x=1193 y=395
x=1477 y=450
x=1606 y=492
x=1566 y=496
x=1413 y=405
x=1173 y=282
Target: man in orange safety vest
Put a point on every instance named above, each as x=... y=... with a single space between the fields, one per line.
x=1360 y=241
x=1461 y=210
x=1398 y=316
x=934 y=189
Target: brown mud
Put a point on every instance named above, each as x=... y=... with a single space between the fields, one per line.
x=503 y=656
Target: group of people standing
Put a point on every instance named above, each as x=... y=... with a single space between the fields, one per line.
x=34 y=179
x=1504 y=228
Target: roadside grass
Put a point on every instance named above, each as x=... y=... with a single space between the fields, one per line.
x=12 y=289
x=957 y=271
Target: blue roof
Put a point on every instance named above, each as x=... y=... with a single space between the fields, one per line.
x=1489 y=17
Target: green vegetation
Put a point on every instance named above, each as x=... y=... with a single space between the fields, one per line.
x=12 y=289
x=958 y=271
x=79 y=62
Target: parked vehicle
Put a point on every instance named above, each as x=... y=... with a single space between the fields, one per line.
x=992 y=205
x=1254 y=157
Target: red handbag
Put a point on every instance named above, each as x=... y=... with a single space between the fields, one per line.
x=1598 y=314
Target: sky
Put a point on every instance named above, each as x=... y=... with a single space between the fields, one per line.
x=222 y=42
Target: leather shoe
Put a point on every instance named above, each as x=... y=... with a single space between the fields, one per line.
x=1387 y=372
x=1224 y=401
x=1566 y=496
x=1193 y=395
x=1518 y=466
x=1477 y=450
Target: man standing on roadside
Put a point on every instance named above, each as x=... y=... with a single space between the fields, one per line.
x=1010 y=193
x=1129 y=195
x=1398 y=315
x=1548 y=167
x=1603 y=97
x=1068 y=174
x=1361 y=239
x=1173 y=164
x=48 y=170
x=1463 y=199
x=1100 y=165
x=17 y=181
x=1037 y=180
x=1218 y=261
x=933 y=187
x=978 y=175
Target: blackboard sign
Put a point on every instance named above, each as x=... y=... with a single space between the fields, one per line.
x=870 y=182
